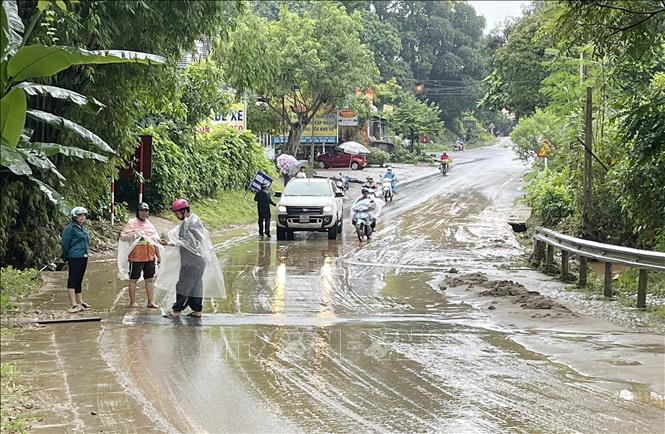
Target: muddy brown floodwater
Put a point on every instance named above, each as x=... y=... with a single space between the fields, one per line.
x=338 y=336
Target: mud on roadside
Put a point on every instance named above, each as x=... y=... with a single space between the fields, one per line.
x=515 y=293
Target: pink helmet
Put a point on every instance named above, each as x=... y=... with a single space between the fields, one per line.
x=179 y=204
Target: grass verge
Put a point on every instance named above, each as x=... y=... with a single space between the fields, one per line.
x=16 y=284
x=12 y=401
x=624 y=288
x=229 y=207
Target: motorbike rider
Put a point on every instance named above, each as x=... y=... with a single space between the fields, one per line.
x=369 y=200
x=392 y=177
x=370 y=185
x=344 y=180
x=444 y=161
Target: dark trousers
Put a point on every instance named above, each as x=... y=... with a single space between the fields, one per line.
x=77 y=268
x=264 y=224
x=182 y=301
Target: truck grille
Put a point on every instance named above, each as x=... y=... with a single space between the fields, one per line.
x=304 y=210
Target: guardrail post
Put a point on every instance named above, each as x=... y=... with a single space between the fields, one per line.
x=584 y=272
x=538 y=253
x=565 y=265
x=642 y=290
x=549 y=262
x=607 y=291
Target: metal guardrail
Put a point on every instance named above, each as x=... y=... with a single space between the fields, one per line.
x=644 y=260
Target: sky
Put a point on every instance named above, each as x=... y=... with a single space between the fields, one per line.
x=495 y=11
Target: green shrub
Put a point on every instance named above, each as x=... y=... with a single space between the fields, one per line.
x=529 y=134
x=401 y=155
x=15 y=284
x=203 y=165
x=549 y=198
x=378 y=157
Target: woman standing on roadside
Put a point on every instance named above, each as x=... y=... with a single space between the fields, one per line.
x=75 y=246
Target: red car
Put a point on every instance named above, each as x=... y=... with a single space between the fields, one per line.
x=337 y=158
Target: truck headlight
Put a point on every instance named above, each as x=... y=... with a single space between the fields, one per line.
x=327 y=209
x=281 y=208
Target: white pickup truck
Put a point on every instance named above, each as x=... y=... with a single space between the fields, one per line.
x=313 y=205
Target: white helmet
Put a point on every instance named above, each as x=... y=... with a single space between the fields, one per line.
x=78 y=210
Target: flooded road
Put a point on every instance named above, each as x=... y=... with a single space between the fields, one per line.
x=338 y=336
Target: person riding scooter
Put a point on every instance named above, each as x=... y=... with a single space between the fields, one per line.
x=366 y=200
x=373 y=186
x=370 y=184
x=444 y=162
x=392 y=177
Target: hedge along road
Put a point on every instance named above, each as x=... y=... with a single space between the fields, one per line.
x=321 y=335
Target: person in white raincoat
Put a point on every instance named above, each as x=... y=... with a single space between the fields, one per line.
x=190 y=246
x=373 y=203
x=139 y=254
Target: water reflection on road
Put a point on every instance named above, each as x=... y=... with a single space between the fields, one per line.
x=335 y=336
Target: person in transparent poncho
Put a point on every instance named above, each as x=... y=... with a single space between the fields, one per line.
x=190 y=245
x=139 y=254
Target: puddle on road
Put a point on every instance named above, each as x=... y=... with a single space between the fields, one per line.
x=314 y=337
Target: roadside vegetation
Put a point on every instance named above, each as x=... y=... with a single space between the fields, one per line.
x=621 y=49
x=296 y=57
x=624 y=288
x=14 y=286
x=13 y=402
x=623 y=59
x=228 y=207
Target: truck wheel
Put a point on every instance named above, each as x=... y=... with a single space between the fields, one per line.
x=281 y=234
x=332 y=233
x=354 y=166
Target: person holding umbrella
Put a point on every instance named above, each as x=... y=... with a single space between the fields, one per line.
x=263 y=202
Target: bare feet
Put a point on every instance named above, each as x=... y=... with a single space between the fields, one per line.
x=134 y=305
x=152 y=306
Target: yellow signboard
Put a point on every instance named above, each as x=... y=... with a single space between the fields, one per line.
x=545 y=150
x=321 y=129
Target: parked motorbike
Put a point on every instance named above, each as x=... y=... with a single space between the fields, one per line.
x=387 y=190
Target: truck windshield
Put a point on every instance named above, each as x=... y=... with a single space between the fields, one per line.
x=307 y=189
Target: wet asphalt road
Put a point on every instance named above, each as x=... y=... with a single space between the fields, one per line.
x=339 y=336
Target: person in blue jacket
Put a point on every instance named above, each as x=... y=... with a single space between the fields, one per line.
x=75 y=247
x=393 y=178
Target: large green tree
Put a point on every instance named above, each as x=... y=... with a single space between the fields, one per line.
x=441 y=43
x=414 y=118
x=129 y=92
x=21 y=68
x=300 y=63
x=623 y=48
x=519 y=65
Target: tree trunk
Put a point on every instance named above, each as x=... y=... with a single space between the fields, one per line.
x=293 y=142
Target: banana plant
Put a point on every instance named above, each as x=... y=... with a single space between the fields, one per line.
x=20 y=64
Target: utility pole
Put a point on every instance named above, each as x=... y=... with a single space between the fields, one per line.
x=588 y=171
